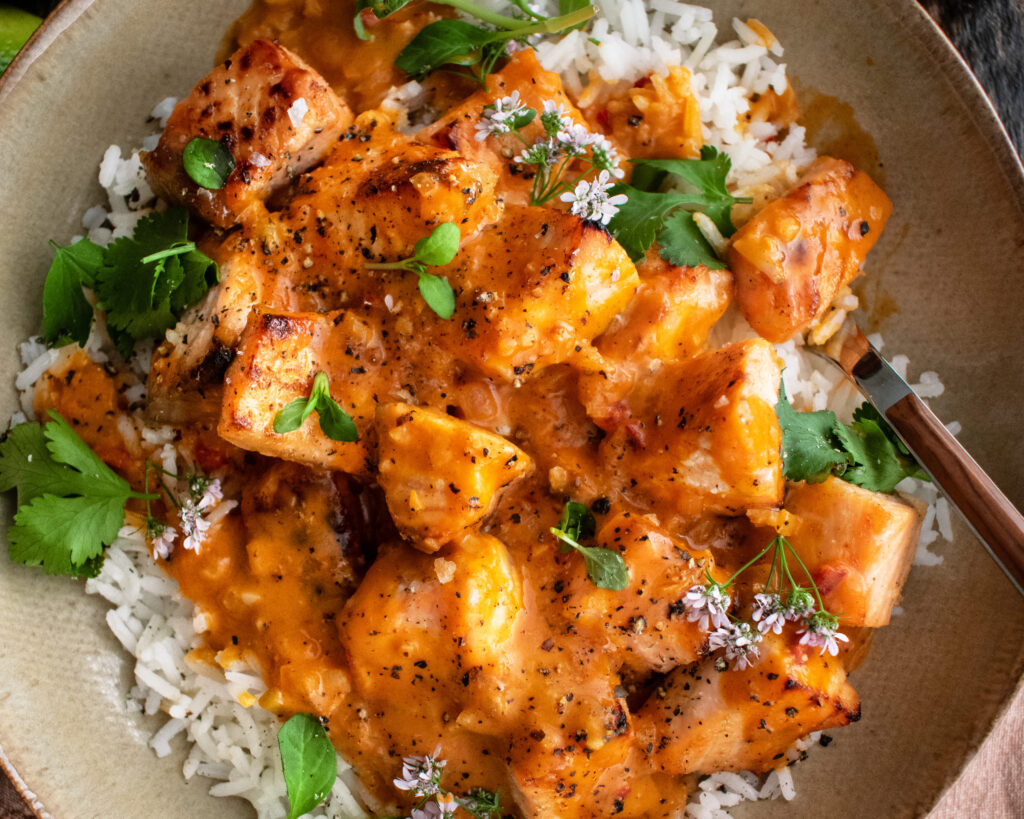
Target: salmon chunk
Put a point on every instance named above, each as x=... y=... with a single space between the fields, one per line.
x=792 y=258
x=857 y=544
x=704 y=720
x=278 y=357
x=646 y=621
x=531 y=289
x=441 y=475
x=275 y=115
x=704 y=437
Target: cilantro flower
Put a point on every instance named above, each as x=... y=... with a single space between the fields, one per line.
x=574 y=139
x=707 y=605
x=421 y=775
x=554 y=118
x=162 y=537
x=203 y=494
x=739 y=641
x=604 y=156
x=501 y=117
x=821 y=629
x=542 y=152
x=443 y=808
x=799 y=605
x=591 y=202
x=769 y=613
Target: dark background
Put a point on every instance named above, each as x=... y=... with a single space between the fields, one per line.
x=989 y=34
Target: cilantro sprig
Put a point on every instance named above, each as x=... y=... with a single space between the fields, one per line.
x=605 y=567
x=650 y=214
x=309 y=762
x=459 y=43
x=865 y=452
x=144 y=283
x=70 y=503
x=335 y=423
x=439 y=248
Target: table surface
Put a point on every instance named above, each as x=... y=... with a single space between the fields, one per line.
x=989 y=34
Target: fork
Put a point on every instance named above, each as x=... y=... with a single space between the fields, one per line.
x=989 y=513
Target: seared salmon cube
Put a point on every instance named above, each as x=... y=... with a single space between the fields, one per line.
x=275 y=115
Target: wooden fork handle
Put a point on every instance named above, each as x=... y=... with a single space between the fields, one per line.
x=988 y=511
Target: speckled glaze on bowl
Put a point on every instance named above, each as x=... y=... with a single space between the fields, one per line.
x=950 y=260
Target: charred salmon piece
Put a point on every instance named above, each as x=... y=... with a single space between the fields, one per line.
x=646 y=621
x=704 y=719
x=278 y=357
x=440 y=474
x=457 y=129
x=374 y=198
x=275 y=115
x=704 y=436
x=667 y=320
x=793 y=257
x=857 y=544
x=531 y=290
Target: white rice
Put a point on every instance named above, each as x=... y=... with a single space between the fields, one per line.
x=210 y=710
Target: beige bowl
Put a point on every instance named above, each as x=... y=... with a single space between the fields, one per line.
x=951 y=260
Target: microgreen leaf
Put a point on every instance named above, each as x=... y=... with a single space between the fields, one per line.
x=335 y=423
x=291 y=416
x=440 y=246
x=208 y=162
x=309 y=762
x=70 y=503
x=67 y=315
x=683 y=244
x=438 y=294
x=605 y=567
x=441 y=42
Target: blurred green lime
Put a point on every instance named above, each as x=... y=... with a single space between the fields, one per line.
x=16 y=26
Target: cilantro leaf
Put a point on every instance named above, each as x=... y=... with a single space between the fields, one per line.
x=146 y=282
x=683 y=244
x=67 y=315
x=648 y=215
x=881 y=460
x=309 y=762
x=808 y=449
x=70 y=503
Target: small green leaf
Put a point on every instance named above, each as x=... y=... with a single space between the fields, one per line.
x=443 y=42
x=290 y=417
x=438 y=295
x=683 y=244
x=639 y=220
x=208 y=162
x=68 y=448
x=577 y=521
x=440 y=246
x=67 y=315
x=309 y=762
x=606 y=568
x=809 y=450
x=335 y=423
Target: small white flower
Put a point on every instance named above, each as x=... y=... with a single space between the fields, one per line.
x=163 y=537
x=590 y=200
x=821 y=630
x=799 y=605
x=193 y=525
x=500 y=117
x=421 y=775
x=554 y=118
x=443 y=808
x=706 y=606
x=574 y=139
x=604 y=156
x=769 y=613
x=739 y=641
x=205 y=492
x=540 y=153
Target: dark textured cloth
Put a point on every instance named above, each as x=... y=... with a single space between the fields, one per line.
x=990 y=36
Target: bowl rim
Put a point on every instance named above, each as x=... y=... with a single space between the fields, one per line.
x=909 y=14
